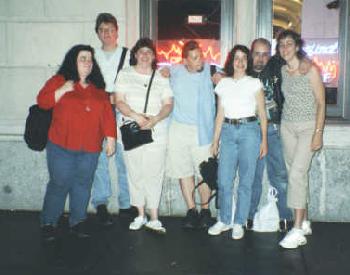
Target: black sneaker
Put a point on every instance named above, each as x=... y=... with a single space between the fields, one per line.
x=79 y=230
x=103 y=216
x=131 y=212
x=285 y=225
x=191 y=219
x=249 y=225
x=48 y=233
x=205 y=220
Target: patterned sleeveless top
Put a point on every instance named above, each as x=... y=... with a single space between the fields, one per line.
x=299 y=104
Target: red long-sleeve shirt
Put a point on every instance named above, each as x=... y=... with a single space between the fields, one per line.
x=81 y=118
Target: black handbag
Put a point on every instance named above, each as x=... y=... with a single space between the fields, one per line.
x=132 y=135
x=209 y=172
x=37 y=127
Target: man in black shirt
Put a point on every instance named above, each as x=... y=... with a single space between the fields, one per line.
x=268 y=70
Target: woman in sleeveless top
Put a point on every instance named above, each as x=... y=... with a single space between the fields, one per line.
x=302 y=125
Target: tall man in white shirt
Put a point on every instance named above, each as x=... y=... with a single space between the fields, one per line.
x=110 y=58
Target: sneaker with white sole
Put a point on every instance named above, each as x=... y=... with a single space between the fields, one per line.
x=237 y=231
x=156 y=226
x=293 y=239
x=306 y=227
x=218 y=228
x=138 y=223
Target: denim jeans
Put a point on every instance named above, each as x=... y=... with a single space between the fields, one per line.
x=277 y=174
x=239 y=150
x=71 y=173
x=101 y=189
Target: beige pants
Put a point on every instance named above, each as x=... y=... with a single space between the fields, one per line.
x=184 y=154
x=146 y=167
x=296 y=142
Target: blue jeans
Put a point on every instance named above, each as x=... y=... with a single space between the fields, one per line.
x=277 y=174
x=239 y=150
x=71 y=173
x=101 y=189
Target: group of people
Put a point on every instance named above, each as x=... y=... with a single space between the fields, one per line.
x=255 y=98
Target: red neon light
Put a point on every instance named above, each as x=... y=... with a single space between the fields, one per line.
x=170 y=51
x=329 y=69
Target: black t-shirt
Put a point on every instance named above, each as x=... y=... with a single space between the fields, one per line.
x=271 y=79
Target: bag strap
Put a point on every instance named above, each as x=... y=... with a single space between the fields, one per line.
x=121 y=62
x=148 y=91
x=213 y=195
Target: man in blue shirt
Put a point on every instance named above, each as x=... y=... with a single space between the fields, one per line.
x=191 y=129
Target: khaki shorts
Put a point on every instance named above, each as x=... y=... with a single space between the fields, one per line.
x=184 y=154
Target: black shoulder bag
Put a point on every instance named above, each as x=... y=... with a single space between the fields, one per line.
x=37 y=127
x=209 y=172
x=132 y=135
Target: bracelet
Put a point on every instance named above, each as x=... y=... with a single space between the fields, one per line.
x=318 y=130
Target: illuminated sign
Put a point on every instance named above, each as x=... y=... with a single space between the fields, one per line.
x=170 y=51
x=196 y=19
x=324 y=53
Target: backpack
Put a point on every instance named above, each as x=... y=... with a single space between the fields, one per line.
x=37 y=127
x=209 y=172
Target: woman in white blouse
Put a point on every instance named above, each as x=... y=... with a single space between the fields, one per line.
x=145 y=164
x=242 y=140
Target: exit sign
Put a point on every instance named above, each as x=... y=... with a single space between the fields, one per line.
x=196 y=19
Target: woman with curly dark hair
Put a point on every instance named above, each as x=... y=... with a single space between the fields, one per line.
x=82 y=117
x=242 y=140
x=145 y=164
x=302 y=124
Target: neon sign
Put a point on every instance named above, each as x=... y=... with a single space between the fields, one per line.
x=170 y=51
x=316 y=48
x=324 y=53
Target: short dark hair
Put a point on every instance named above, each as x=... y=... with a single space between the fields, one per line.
x=260 y=41
x=143 y=43
x=189 y=46
x=297 y=40
x=69 y=69
x=229 y=70
x=105 y=18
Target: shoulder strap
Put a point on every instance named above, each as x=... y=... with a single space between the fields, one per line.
x=148 y=91
x=121 y=62
x=212 y=69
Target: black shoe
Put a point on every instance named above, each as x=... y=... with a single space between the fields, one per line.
x=131 y=212
x=79 y=230
x=249 y=225
x=191 y=219
x=103 y=216
x=285 y=225
x=205 y=220
x=48 y=233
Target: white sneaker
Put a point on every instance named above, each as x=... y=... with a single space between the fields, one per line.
x=293 y=239
x=237 y=232
x=156 y=226
x=218 y=228
x=138 y=223
x=306 y=227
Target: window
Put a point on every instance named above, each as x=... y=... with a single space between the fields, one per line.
x=171 y=23
x=323 y=24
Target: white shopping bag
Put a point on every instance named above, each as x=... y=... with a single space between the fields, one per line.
x=267 y=217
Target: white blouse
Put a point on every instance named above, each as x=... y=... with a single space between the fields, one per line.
x=238 y=97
